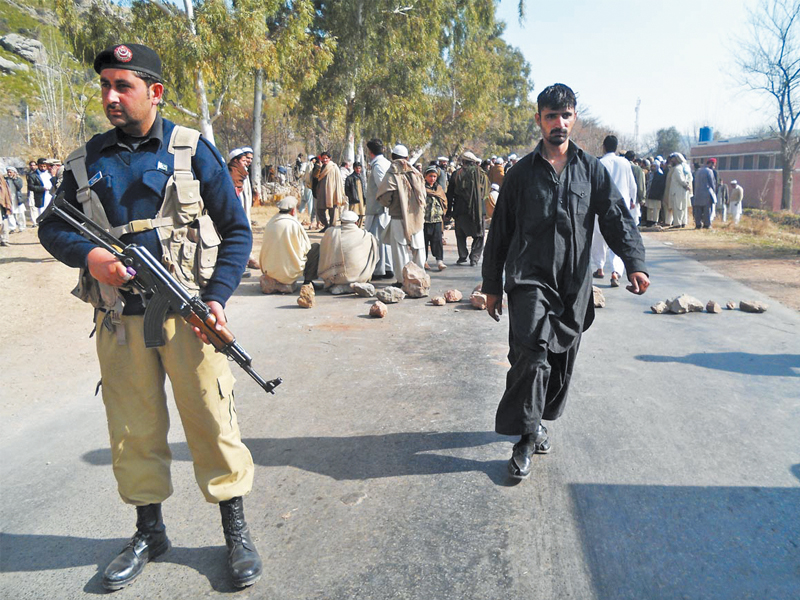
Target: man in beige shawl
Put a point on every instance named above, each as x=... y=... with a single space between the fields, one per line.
x=402 y=191
x=329 y=191
x=285 y=247
x=347 y=254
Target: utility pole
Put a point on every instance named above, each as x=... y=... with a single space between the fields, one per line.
x=636 y=126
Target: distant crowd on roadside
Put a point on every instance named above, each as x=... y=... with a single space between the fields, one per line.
x=24 y=196
x=673 y=186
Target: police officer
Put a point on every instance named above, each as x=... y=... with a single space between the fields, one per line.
x=160 y=186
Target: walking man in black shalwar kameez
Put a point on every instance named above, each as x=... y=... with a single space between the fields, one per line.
x=541 y=236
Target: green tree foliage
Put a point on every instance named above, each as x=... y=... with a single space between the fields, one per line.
x=209 y=47
x=667 y=142
x=483 y=84
x=435 y=71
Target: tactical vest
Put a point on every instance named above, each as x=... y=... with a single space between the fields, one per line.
x=189 y=240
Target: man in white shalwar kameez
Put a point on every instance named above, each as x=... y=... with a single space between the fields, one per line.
x=622 y=175
x=376 y=218
x=402 y=191
x=679 y=189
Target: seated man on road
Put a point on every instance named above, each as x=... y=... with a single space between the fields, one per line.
x=284 y=249
x=346 y=254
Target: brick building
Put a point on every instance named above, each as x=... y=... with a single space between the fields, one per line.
x=755 y=163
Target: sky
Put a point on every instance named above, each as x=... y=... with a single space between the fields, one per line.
x=677 y=58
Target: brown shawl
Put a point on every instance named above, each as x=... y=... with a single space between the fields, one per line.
x=409 y=185
x=331 y=185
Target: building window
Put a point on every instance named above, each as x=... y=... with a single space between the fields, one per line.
x=735 y=161
x=722 y=163
x=747 y=162
x=763 y=162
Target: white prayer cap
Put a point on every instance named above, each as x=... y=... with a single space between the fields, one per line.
x=234 y=153
x=310 y=156
x=495 y=187
x=400 y=150
x=10 y=169
x=734 y=182
x=246 y=150
x=494 y=156
x=287 y=203
x=512 y=157
x=469 y=156
x=349 y=216
x=442 y=159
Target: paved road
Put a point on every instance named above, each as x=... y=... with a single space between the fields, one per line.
x=675 y=471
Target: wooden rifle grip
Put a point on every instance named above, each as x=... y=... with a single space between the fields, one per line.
x=218 y=338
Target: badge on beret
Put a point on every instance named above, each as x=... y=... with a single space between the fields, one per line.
x=123 y=54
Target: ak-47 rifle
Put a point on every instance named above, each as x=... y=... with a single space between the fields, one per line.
x=160 y=291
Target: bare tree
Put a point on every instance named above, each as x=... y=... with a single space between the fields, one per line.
x=770 y=64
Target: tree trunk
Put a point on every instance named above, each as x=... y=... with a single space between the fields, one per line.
x=206 y=128
x=350 y=127
x=258 y=101
x=786 y=188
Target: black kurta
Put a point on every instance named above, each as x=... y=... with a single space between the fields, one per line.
x=541 y=236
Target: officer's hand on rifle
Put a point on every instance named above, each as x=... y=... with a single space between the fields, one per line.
x=105 y=267
x=219 y=315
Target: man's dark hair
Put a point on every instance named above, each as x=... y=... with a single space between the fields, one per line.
x=148 y=79
x=557 y=96
x=630 y=155
x=610 y=143
x=326 y=153
x=41 y=161
x=375 y=145
x=357 y=164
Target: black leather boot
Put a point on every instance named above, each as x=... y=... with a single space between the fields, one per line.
x=244 y=563
x=149 y=542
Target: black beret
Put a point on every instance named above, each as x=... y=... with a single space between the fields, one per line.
x=133 y=57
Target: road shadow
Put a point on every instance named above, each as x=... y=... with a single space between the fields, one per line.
x=365 y=456
x=23 y=553
x=773 y=365
x=24 y=259
x=690 y=542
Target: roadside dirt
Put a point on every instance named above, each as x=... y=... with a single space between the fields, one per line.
x=769 y=264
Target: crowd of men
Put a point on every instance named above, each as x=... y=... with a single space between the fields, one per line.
x=404 y=207
x=24 y=196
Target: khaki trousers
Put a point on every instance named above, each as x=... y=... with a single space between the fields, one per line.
x=136 y=408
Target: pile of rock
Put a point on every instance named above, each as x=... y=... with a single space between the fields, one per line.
x=685 y=304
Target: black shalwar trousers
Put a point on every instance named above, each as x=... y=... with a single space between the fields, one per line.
x=538 y=380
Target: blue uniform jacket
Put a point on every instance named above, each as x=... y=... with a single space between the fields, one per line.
x=131 y=185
